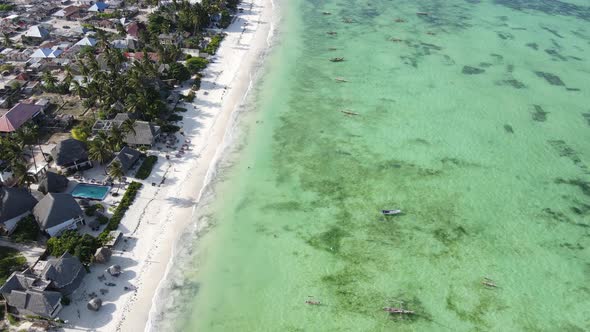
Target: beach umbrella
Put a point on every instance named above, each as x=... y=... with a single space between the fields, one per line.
x=114 y=270
x=102 y=255
x=94 y=304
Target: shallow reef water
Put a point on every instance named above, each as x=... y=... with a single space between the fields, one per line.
x=470 y=116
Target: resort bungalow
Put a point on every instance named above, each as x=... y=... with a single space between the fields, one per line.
x=56 y=213
x=17 y=116
x=64 y=273
x=27 y=295
x=70 y=155
x=53 y=183
x=39 y=291
x=15 y=204
x=145 y=134
x=127 y=157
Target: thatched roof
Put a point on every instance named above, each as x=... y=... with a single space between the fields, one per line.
x=69 y=151
x=55 y=209
x=102 y=255
x=14 y=202
x=94 y=304
x=53 y=183
x=114 y=270
x=127 y=157
x=145 y=133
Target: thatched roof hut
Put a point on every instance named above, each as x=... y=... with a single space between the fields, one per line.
x=53 y=183
x=94 y=304
x=114 y=270
x=102 y=255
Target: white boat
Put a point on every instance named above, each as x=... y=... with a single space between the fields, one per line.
x=391 y=212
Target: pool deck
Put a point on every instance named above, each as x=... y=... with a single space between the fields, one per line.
x=105 y=195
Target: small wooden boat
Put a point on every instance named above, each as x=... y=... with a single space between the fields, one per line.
x=332 y=49
x=311 y=301
x=422 y=13
x=400 y=311
x=349 y=112
x=340 y=80
x=391 y=212
x=332 y=33
x=336 y=59
x=347 y=20
x=400 y=20
x=396 y=40
x=326 y=13
x=489 y=283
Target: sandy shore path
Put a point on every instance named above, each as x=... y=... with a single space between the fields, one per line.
x=162 y=211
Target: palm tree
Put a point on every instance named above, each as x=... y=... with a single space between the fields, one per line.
x=10 y=150
x=27 y=137
x=99 y=149
x=116 y=172
x=49 y=80
x=78 y=89
x=115 y=139
x=128 y=126
x=21 y=174
x=121 y=30
x=7 y=42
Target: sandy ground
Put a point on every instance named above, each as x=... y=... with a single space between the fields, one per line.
x=165 y=205
x=30 y=251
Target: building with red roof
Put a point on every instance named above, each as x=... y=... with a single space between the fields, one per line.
x=134 y=28
x=139 y=56
x=17 y=116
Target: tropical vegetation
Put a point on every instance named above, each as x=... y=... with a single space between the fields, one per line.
x=26 y=230
x=81 y=246
x=10 y=261
x=15 y=150
x=146 y=167
x=116 y=172
x=119 y=213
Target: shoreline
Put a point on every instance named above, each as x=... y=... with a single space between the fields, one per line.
x=246 y=78
x=162 y=214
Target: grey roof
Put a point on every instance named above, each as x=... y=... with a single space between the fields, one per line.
x=27 y=292
x=127 y=157
x=14 y=202
x=53 y=183
x=41 y=303
x=56 y=208
x=63 y=271
x=144 y=134
x=22 y=281
x=102 y=255
x=120 y=117
x=69 y=151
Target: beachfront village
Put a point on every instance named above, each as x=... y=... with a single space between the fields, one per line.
x=92 y=97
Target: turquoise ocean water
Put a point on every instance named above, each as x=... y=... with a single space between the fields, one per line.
x=474 y=119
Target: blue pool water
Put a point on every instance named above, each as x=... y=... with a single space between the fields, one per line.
x=90 y=191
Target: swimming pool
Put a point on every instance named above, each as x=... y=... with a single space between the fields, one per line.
x=90 y=191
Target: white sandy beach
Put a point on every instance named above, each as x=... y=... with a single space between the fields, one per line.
x=160 y=213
